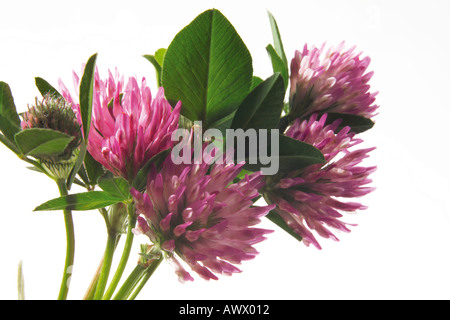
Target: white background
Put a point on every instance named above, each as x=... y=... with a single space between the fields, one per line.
x=401 y=246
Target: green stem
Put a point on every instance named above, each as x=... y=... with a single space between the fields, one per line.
x=126 y=252
x=148 y=273
x=90 y=292
x=70 y=244
x=130 y=283
x=106 y=267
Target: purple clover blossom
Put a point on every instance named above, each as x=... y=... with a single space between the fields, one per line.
x=333 y=80
x=312 y=199
x=196 y=212
x=128 y=126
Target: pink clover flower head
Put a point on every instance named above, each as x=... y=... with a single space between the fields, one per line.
x=332 y=80
x=128 y=125
x=194 y=211
x=312 y=199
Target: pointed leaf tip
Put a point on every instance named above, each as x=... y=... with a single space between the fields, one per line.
x=208 y=67
x=80 y=201
x=87 y=93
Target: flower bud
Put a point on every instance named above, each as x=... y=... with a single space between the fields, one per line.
x=56 y=114
x=117 y=217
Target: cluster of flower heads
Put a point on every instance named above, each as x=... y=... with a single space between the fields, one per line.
x=193 y=211
x=199 y=212
x=312 y=200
